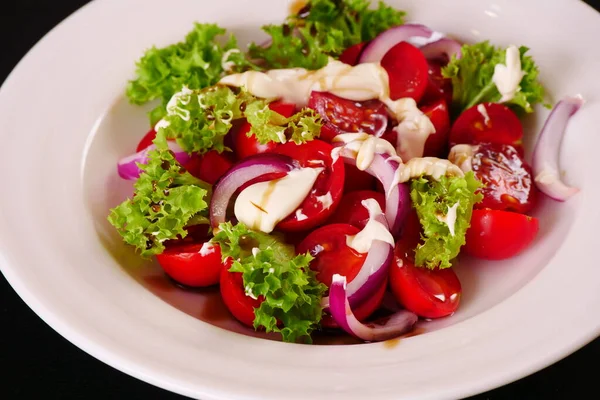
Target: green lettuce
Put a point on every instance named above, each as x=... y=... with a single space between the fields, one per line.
x=270 y=126
x=271 y=270
x=432 y=200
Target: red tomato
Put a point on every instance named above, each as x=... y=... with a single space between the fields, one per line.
x=341 y=115
x=210 y=167
x=332 y=256
x=407 y=69
x=508 y=182
x=438 y=87
x=351 y=211
x=192 y=266
x=428 y=293
x=233 y=294
x=487 y=123
x=436 y=144
x=351 y=54
x=146 y=140
x=246 y=146
x=497 y=235
x=327 y=190
x=357 y=179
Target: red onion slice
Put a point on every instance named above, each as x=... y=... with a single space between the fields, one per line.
x=128 y=168
x=244 y=171
x=546 y=151
x=398 y=324
x=442 y=50
x=376 y=49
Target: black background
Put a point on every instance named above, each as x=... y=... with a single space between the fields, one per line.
x=38 y=363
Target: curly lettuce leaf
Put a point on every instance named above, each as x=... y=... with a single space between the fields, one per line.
x=271 y=270
x=323 y=28
x=472 y=74
x=433 y=200
x=167 y=199
x=197 y=62
x=269 y=126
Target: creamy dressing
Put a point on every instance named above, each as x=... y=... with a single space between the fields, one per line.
x=362 y=82
x=326 y=200
x=431 y=166
x=263 y=205
x=373 y=230
x=450 y=218
x=182 y=97
x=483 y=111
x=255 y=251
x=507 y=77
x=300 y=216
x=363 y=147
x=249 y=293
x=462 y=156
x=225 y=63
x=206 y=249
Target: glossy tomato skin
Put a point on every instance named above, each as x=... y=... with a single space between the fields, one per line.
x=437 y=142
x=327 y=190
x=438 y=87
x=246 y=146
x=498 y=235
x=408 y=71
x=351 y=55
x=428 y=293
x=507 y=178
x=357 y=179
x=211 y=166
x=192 y=264
x=146 y=140
x=233 y=294
x=342 y=116
x=487 y=123
x=351 y=211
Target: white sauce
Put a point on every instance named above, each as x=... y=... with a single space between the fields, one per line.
x=206 y=249
x=182 y=97
x=507 y=77
x=300 y=216
x=364 y=147
x=483 y=111
x=431 y=166
x=362 y=82
x=450 y=218
x=225 y=63
x=462 y=156
x=373 y=230
x=248 y=291
x=326 y=200
x=263 y=205
x=255 y=251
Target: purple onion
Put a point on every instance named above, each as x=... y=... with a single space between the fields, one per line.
x=376 y=49
x=546 y=151
x=128 y=168
x=442 y=50
x=398 y=324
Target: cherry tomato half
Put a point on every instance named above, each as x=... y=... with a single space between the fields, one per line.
x=429 y=293
x=351 y=55
x=497 y=235
x=408 y=71
x=194 y=265
x=487 y=123
x=437 y=142
x=507 y=179
x=146 y=140
x=357 y=179
x=233 y=294
x=351 y=211
x=327 y=190
x=246 y=146
x=341 y=115
x=211 y=166
x=438 y=87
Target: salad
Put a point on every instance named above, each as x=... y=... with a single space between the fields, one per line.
x=329 y=177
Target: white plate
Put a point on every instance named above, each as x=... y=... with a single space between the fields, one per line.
x=65 y=123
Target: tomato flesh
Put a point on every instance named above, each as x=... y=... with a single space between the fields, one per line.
x=351 y=211
x=437 y=142
x=209 y=167
x=497 y=234
x=233 y=294
x=508 y=181
x=191 y=264
x=487 y=123
x=146 y=140
x=357 y=179
x=438 y=87
x=342 y=116
x=351 y=55
x=429 y=293
x=327 y=190
x=408 y=71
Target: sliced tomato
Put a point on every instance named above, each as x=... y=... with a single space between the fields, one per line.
x=429 y=293
x=497 y=235
x=437 y=142
x=233 y=294
x=194 y=265
x=341 y=115
x=438 y=87
x=357 y=179
x=211 y=166
x=332 y=256
x=408 y=71
x=146 y=140
x=351 y=55
x=327 y=190
x=487 y=123
x=246 y=146
x=507 y=178
x=351 y=211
